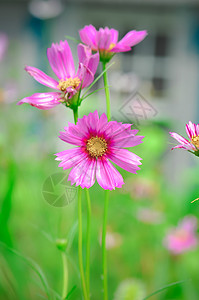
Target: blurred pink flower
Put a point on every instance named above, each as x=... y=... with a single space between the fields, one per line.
x=98 y=141
x=113 y=239
x=3 y=45
x=141 y=188
x=183 y=237
x=70 y=83
x=105 y=40
x=150 y=216
x=193 y=143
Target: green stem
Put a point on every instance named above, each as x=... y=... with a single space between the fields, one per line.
x=88 y=237
x=107 y=93
x=80 y=245
x=65 y=275
x=104 y=258
x=75 y=114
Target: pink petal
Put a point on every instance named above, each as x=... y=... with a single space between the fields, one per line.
x=114 y=36
x=43 y=100
x=125 y=159
x=191 y=130
x=67 y=137
x=93 y=63
x=182 y=141
x=85 y=75
x=88 y=36
x=197 y=129
x=86 y=58
x=104 y=38
x=131 y=39
x=61 y=60
x=107 y=176
x=83 y=174
x=126 y=140
x=180 y=147
x=84 y=52
x=70 y=157
x=41 y=77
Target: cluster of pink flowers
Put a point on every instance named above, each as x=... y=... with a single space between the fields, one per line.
x=98 y=141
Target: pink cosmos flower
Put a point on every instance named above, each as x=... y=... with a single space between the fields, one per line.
x=98 y=142
x=70 y=82
x=183 y=237
x=105 y=40
x=193 y=143
x=3 y=45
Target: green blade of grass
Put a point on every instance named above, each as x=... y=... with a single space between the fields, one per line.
x=164 y=288
x=98 y=77
x=34 y=266
x=70 y=293
x=93 y=92
x=71 y=235
x=72 y=39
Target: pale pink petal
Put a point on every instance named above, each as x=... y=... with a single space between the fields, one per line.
x=125 y=159
x=68 y=137
x=85 y=75
x=84 y=52
x=114 y=36
x=88 y=36
x=88 y=59
x=191 y=129
x=70 y=158
x=103 y=121
x=93 y=63
x=61 y=60
x=197 y=129
x=104 y=38
x=181 y=147
x=41 y=77
x=43 y=100
x=83 y=174
x=131 y=39
x=127 y=141
x=181 y=140
x=107 y=176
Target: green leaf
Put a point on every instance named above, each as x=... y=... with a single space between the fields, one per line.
x=164 y=288
x=34 y=266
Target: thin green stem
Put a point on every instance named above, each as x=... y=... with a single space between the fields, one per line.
x=88 y=238
x=75 y=114
x=80 y=244
x=65 y=275
x=107 y=93
x=104 y=258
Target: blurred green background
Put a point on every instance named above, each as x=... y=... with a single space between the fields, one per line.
x=164 y=70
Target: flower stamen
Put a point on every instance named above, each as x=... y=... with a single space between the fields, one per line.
x=195 y=141
x=69 y=82
x=112 y=45
x=96 y=146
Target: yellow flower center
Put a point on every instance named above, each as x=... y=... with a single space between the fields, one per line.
x=112 y=45
x=195 y=141
x=69 y=82
x=96 y=146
